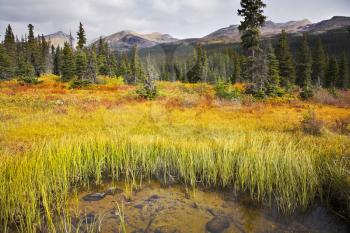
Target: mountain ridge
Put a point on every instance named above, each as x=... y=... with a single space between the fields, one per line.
x=231 y=34
x=125 y=40
x=59 y=38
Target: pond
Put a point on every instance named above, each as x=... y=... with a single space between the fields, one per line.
x=158 y=209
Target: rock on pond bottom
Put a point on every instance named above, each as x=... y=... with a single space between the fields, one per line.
x=161 y=210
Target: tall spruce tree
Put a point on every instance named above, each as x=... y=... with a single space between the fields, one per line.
x=102 y=48
x=286 y=65
x=343 y=78
x=199 y=71
x=304 y=64
x=33 y=51
x=68 y=65
x=253 y=19
x=124 y=67
x=136 y=72
x=274 y=80
x=102 y=57
x=332 y=73
x=10 y=45
x=92 y=66
x=31 y=45
x=6 y=68
x=112 y=63
x=71 y=39
x=103 y=68
x=52 y=58
x=25 y=69
x=81 y=64
x=45 y=55
x=236 y=77
x=57 y=61
x=319 y=64
x=31 y=38
x=81 y=37
x=149 y=90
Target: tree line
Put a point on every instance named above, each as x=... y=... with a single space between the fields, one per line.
x=268 y=70
x=30 y=57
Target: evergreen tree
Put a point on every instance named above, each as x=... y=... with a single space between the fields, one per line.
x=52 y=58
x=81 y=37
x=10 y=45
x=200 y=69
x=286 y=66
x=33 y=51
x=45 y=55
x=71 y=39
x=57 y=61
x=80 y=64
x=304 y=64
x=102 y=48
x=124 y=67
x=68 y=65
x=253 y=20
x=332 y=73
x=344 y=78
x=319 y=64
x=149 y=90
x=273 y=86
x=112 y=64
x=92 y=66
x=6 y=68
x=31 y=38
x=237 y=70
x=136 y=72
x=103 y=68
x=103 y=57
x=25 y=69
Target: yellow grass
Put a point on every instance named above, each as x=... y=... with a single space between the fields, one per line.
x=54 y=140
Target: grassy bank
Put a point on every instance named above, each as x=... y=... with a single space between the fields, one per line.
x=55 y=141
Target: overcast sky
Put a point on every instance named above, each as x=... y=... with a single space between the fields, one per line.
x=180 y=18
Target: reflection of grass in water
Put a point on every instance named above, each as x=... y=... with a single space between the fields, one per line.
x=257 y=149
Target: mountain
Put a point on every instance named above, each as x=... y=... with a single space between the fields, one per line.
x=58 y=38
x=334 y=33
x=334 y=23
x=126 y=40
x=231 y=34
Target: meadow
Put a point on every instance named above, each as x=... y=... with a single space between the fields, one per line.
x=56 y=141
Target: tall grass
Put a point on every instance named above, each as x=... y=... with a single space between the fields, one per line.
x=35 y=188
x=55 y=141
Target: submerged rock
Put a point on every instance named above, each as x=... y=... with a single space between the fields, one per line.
x=113 y=191
x=194 y=205
x=153 y=198
x=218 y=224
x=99 y=196
x=89 y=219
x=139 y=206
x=158 y=231
x=94 y=197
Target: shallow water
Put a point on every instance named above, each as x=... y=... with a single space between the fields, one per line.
x=154 y=208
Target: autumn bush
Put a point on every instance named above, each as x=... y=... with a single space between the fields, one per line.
x=311 y=124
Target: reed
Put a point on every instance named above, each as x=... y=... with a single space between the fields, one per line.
x=271 y=167
x=47 y=156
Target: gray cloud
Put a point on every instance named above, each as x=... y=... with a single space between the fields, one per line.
x=180 y=18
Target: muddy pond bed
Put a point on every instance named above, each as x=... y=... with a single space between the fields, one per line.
x=154 y=208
